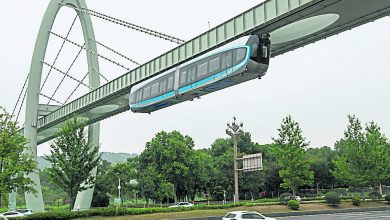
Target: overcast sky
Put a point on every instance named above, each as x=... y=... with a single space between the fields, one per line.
x=318 y=84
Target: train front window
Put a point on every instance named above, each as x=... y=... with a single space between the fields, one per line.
x=131 y=97
x=202 y=69
x=154 y=89
x=226 y=60
x=239 y=55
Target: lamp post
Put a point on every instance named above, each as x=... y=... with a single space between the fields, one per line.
x=232 y=130
x=119 y=186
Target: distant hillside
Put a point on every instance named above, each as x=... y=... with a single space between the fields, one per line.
x=110 y=157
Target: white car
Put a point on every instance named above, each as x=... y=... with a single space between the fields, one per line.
x=12 y=214
x=181 y=204
x=25 y=211
x=298 y=198
x=245 y=215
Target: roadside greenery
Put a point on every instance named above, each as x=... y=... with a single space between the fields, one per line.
x=72 y=159
x=171 y=169
x=293 y=204
x=332 y=199
x=356 y=201
x=289 y=149
x=15 y=160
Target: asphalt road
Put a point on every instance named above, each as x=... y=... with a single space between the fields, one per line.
x=343 y=216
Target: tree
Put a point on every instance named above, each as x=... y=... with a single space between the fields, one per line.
x=170 y=154
x=363 y=155
x=103 y=185
x=289 y=149
x=15 y=163
x=72 y=159
x=322 y=165
x=149 y=179
x=126 y=172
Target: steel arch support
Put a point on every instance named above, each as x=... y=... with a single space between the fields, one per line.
x=35 y=202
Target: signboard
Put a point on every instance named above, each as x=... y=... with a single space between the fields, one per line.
x=252 y=162
x=117 y=200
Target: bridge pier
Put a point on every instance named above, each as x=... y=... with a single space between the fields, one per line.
x=35 y=201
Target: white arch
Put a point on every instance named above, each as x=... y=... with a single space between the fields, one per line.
x=35 y=202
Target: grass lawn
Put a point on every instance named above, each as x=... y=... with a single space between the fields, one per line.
x=221 y=212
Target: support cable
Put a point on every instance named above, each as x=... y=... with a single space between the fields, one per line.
x=60 y=71
x=100 y=74
x=20 y=95
x=59 y=51
x=74 y=90
x=51 y=99
x=116 y=52
x=66 y=73
x=21 y=105
x=90 y=51
x=131 y=26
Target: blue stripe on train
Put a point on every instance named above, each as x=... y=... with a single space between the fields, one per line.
x=211 y=88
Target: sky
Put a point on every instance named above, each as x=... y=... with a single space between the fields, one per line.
x=319 y=84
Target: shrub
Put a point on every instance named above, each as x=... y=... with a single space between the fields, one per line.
x=285 y=197
x=332 y=199
x=356 y=201
x=374 y=196
x=293 y=204
x=387 y=197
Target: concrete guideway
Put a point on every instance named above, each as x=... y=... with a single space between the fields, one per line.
x=112 y=98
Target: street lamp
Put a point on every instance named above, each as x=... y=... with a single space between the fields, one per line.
x=119 y=186
x=232 y=130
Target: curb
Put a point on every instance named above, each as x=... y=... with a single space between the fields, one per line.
x=298 y=213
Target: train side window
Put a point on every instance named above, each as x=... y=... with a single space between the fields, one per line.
x=214 y=65
x=147 y=92
x=140 y=95
x=226 y=60
x=191 y=74
x=170 y=83
x=239 y=55
x=183 y=77
x=163 y=85
x=154 y=89
x=202 y=69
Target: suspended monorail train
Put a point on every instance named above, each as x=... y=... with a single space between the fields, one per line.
x=213 y=71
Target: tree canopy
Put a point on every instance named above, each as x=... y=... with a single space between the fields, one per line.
x=289 y=149
x=15 y=161
x=72 y=158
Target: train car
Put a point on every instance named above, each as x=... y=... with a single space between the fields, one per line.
x=214 y=71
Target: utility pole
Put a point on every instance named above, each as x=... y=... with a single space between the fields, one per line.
x=232 y=130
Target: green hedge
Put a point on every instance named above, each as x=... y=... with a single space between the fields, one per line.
x=356 y=201
x=293 y=204
x=332 y=198
x=387 y=197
